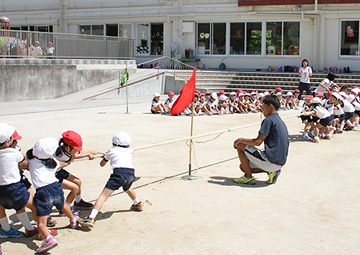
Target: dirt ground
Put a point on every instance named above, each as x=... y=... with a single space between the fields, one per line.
x=312 y=209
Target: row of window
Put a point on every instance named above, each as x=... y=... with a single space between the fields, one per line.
x=148 y=37
x=246 y=38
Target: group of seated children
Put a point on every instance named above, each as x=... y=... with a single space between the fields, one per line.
x=325 y=115
x=45 y=161
x=219 y=103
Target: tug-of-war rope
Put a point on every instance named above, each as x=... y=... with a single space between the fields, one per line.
x=187 y=139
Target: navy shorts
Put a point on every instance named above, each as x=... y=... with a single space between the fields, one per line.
x=357 y=113
x=327 y=121
x=348 y=115
x=314 y=119
x=25 y=180
x=340 y=117
x=62 y=174
x=48 y=196
x=304 y=118
x=122 y=177
x=14 y=196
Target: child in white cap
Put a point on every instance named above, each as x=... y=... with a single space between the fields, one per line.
x=13 y=192
x=49 y=192
x=224 y=105
x=212 y=105
x=120 y=157
x=156 y=105
x=290 y=103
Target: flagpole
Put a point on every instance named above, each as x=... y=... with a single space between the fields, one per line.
x=127 y=94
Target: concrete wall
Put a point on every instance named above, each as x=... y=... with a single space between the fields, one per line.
x=33 y=82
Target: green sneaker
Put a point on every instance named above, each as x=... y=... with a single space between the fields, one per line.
x=273 y=177
x=87 y=222
x=245 y=180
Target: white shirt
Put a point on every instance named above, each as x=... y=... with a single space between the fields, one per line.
x=9 y=169
x=120 y=157
x=168 y=103
x=329 y=106
x=40 y=174
x=348 y=107
x=305 y=76
x=339 y=111
x=328 y=83
x=321 y=112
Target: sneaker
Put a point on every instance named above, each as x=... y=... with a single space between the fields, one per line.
x=53 y=232
x=339 y=131
x=74 y=223
x=29 y=233
x=306 y=137
x=327 y=137
x=50 y=222
x=245 y=180
x=11 y=233
x=87 y=222
x=83 y=205
x=138 y=207
x=47 y=245
x=273 y=177
x=315 y=140
x=75 y=213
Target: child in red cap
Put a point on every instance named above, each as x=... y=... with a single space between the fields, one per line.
x=70 y=147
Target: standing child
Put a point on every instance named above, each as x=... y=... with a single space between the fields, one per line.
x=49 y=193
x=308 y=124
x=13 y=192
x=70 y=146
x=120 y=156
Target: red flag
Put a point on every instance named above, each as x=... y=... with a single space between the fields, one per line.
x=186 y=96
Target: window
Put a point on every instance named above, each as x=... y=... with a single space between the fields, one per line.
x=253 y=38
x=125 y=30
x=112 y=30
x=282 y=38
x=91 y=29
x=237 y=38
x=350 y=38
x=142 y=38
x=157 y=38
x=211 y=38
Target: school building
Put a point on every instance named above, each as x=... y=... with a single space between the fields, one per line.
x=244 y=34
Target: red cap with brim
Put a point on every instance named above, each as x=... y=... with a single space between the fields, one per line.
x=16 y=136
x=278 y=89
x=297 y=91
x=73 y=139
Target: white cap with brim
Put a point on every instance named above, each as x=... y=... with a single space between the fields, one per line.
x=223 y=98
x=156 y=94
x=213 y=95
x=261 y=95
x=316 y=100
x=6 y=132
x=289 y=93
x=45 y=148
x=337 y=96
x=279 y=94
x=342 y=93
x=122 y=139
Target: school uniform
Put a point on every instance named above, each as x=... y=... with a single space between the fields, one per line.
x=154 y=104
x=306 y=108
x=324 y=115
x=49 y=191
x=168 y=103
x=349 y=109
x=123 y=170
x=339 y=112
x=356 y=104
x=13 y=193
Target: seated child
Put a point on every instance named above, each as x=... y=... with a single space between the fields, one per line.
x=49 y=193
x=212 y=105
x=201 y=106
x=169 y=101
x=120 y=156
x=282 y=100
x=223 y=104
x=156 y=105
x=289 y=102
x=297 y=98
x=243 y=105
x=234 y=103
x=254 y=102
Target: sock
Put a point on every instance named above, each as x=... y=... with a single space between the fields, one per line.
x=305 y=133
x=316 y=138
x=5 y=224
x=78 y=198
x=24 y=219
x=68 y=204
x=93 y=213
x=136 y=201
x=341 y=127
x=348 y=122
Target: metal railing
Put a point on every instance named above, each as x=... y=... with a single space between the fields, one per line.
x=41 y=45
x=167 y=64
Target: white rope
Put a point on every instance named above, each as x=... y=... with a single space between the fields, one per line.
x=220 y=132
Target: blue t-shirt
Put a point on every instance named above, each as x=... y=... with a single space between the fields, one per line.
x=277 y=139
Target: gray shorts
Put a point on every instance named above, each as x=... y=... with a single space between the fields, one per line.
x=258 y=159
